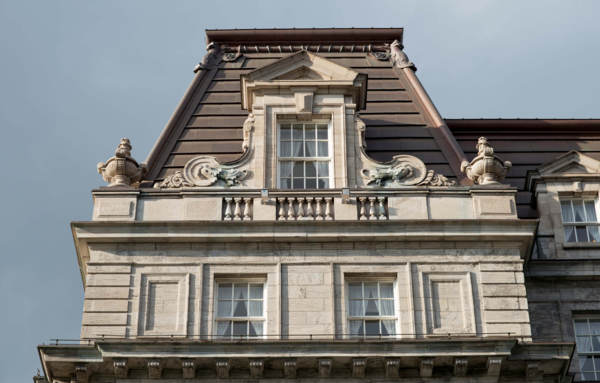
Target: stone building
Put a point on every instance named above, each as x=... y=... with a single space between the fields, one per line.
x=307 y=215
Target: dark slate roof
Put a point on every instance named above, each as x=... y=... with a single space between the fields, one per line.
x=395 y=118
x=528 y=143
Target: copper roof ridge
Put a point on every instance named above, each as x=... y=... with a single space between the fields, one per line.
x=304 y=35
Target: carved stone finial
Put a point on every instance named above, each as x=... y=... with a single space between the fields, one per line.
x=399 y=58
x=122 y=169
x=212 y=51
x=486 y=168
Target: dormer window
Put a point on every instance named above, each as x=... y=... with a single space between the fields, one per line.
x=580 y=220
x=304 y=155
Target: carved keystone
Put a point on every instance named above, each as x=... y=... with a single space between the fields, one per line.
x=460 y=366
x=122 y=169
x=486 y=168
x=81 y=374
x=256 y=368
x=392 y=368
x=189 y=369
x=325 y=368
x=494 y=364
x=120 y=368
x=289 y=368
x=223 y=367
x=154 y=369
x=426 y=368
x=359 y=367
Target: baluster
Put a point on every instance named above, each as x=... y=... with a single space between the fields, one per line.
x=382 y=213
x=228 y=212
x=362 y=212
x=375 y=208
x=291 y=211
x=237 y=213
x=310 y=214
x=329 y=208
x=247 y=203
x=319 y=205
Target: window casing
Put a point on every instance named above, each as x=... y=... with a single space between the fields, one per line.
x=371 y=308
x=304 y=155
x=240 y=309
x=580 y=220
x=587 y=338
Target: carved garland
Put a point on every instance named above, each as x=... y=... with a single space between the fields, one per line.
x=205 y=171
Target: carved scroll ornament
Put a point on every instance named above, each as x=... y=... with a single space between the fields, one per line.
x=402 y=170
x=204 y=171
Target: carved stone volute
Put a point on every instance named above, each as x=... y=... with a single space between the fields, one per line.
x=122 y=169
x=486 y=168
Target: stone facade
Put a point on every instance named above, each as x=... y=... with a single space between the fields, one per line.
x=392 y=272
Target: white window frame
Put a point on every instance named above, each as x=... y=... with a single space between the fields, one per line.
x=379 y=318
x=329 y=158
x=575 y=224
x=248 y=319
x=594 y=354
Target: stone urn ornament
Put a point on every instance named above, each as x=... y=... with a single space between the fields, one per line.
x=122 y=169
x=486 y=168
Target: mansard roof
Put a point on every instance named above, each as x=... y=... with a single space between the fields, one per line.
x=400 y=119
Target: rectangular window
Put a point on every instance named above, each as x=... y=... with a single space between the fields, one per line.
x=587 y=338
x=371 y=309
x=304 y=158
x=240 y=310
x=580 y=220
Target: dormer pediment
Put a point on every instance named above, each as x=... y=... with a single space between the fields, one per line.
x=571 y=165
x=304 y=70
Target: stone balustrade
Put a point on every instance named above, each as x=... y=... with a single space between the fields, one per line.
x=304 y=208
x=237 y=209
x=372 y=208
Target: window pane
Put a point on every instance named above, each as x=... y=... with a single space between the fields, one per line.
x=371 y=307
x=355 y=290
x=240 y=328
x=240 y=291
x=311 y=169
x=387 y=306
x=309 y=132
x=286 y=183
x=298 y=183
x=356 y=327
x=285 y=132
x=322 y=132
x=256 y=309
x=371 y=327
x=596 y=343
x=356 y=309
x=567 y=212
x=256 y=291
x=256 y=328
x=371 y=290
x=595 y=326
x=579 y=213
x=593 y=233
x=285 y=169
x=570 y=234
x=590 y=211
x=581 y=327
x=323 y=168
x=225 y=291
x=388 y=327
x=581 y=234
x=323 y=149
x=240 y=308
x=586 y=363
x=323 y=183
x=298 y=152
x=298 y=169
x=584 y=344
x=386 y=290
x=224 y=309
x=311 y=183
x=588 y=376
x=310 y=149
x=224 y=328
x=298 y=135
x=285 y=149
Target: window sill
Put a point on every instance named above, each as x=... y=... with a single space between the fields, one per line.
x=581 y=245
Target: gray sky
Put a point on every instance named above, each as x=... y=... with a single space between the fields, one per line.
x=76 y=76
